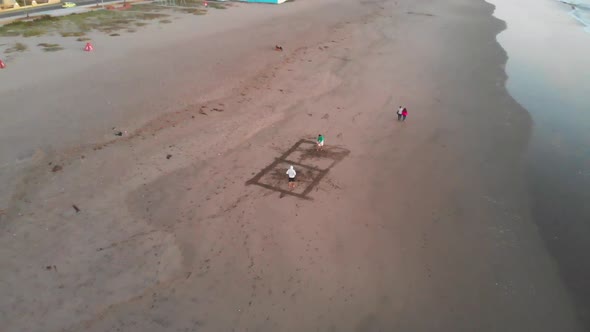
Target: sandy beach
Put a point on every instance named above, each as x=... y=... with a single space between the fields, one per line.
x=185 y=222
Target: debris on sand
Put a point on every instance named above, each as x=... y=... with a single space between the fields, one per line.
x=202 y=112
x=119 y=133
x=168 y=156
x=278 y=48
x=56 y=168
x=76 y=208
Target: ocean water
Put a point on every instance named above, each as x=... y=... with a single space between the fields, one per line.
x=580 y=11
x=547 y=71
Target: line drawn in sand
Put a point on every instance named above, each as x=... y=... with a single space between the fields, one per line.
x=311 y=166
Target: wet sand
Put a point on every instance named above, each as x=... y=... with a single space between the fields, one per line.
x=553 y=87
x=416 y=226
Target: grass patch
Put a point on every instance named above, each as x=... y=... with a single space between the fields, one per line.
x=114 y=35
x=191 y=2
x=150 y=16
x=77 y=25
x=196 y=11
x=122 y=21
x=178 y=4
x=53 y=49
x=149 y=7
x=194 y=7
x=34 y=32
x=47 y=45
x=165 y=21
x=81 y=39
x=18 y=47
x=50 y=47
x=73 y=34
x=28 y=28
x=217 y=5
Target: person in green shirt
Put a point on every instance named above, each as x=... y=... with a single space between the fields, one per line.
x=320 y=142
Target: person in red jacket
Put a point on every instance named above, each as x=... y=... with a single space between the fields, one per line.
x=404 y=114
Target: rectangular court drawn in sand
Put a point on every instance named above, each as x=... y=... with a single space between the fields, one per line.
x=311 y=166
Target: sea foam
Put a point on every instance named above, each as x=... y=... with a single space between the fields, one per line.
x=580 y=11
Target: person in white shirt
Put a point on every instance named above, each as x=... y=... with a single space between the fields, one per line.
x=291 y=173
x=399 y=113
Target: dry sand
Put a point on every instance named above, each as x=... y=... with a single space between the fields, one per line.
x=417 y=226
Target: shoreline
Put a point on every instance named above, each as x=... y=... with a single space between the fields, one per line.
x=556 y=163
